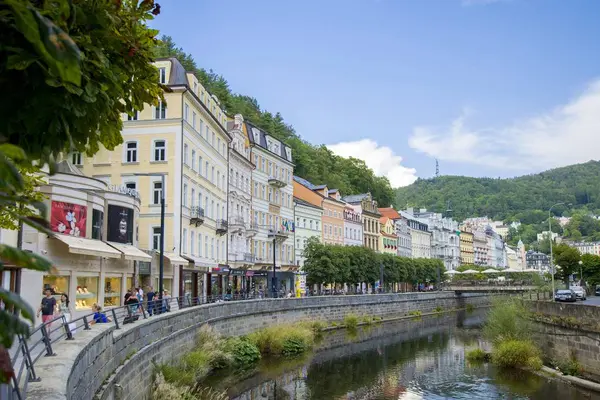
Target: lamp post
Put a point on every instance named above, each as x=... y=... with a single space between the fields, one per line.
x=162 y=234
x=580 y=273
x=550 y=233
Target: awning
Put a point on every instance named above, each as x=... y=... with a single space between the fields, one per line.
x=89 y=247
x=176 y=259
x=131 y=252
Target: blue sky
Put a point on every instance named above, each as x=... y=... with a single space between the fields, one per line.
x=488 y=87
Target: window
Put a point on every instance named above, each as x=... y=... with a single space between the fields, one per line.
x=193 y=198
x=160 y=111
x=217 y=249
x=184 y=242
x=130 y=185
x=219 y=145
x=213 y=139
x=270 y=194
x=159 y=150
x=304 y=223
x=194 y=160
x=218 y=178
x=194 y=119
x=76 y=158
x=255 y=189
x=185 y=154
x=206 y=169
x=212 y=174
x=200 y=126
x=200 y=165
x=156 y=238
x=212 y=209
x=185 y=191
x=192 y=243
x=199 y=199
x=223 y=182
x=199 y=245
x=311 y=224
x=133 y=117
x=162 y=75
x=224 y=150
x=186 y=112
x=206 y=246
x=317 y=225
x=157 y=192
x=263 y=165
x=131 y=152
x=212 y=248
x=207 y=132
x=206 y=206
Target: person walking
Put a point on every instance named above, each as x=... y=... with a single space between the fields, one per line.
x=64 y=308
x=166 y=301
x=151 y=296
x=47 y=308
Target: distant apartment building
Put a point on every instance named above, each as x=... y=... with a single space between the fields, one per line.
x=445 y=242
x=545 y=235
x=308 y=225
x=467 y=252
x=367 y=207
x=480 y=248
x=186 y=140
x=353 y=227
x=587 y=247
x=402 y=230
x=497 y=257
x=538 y=261
x=388 y=240
x=420 y=237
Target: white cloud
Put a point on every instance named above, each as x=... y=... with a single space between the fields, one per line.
x=381 y=159
x=565 y=135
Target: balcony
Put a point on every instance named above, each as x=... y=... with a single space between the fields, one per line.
x=222 y=227
x=252 y=230
x=276 y=182
x=249 y=258
x=278 y=234
x=236 y=224
x=197 y=216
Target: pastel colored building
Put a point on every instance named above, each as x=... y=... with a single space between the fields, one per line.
x=367 y=207
x=308 y=225
x=388 y=240
x=353 y=228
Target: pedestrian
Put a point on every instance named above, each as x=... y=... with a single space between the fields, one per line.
x=47 y=308
x=151 y=296
x=99 y=316
x=166 y=301
x=64 y=308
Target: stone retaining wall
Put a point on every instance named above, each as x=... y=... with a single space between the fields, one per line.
x=106 y=363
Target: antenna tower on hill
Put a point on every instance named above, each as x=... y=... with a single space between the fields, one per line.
x=437 y=168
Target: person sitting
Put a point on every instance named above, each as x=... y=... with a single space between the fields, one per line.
x=99 y=316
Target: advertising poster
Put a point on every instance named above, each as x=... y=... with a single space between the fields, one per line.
x=120 y=224
x=68 y=218
x=97 y=221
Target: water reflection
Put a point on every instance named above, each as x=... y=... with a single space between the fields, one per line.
x=416 y=359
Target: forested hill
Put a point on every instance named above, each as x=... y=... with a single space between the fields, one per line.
x=313 y=162
x=507 y=199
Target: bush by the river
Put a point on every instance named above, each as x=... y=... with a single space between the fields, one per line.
x=477 y=355
x=351 y=321
x=286 y=340
x=516 y=353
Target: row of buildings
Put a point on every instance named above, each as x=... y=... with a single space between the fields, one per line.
x=236 y=218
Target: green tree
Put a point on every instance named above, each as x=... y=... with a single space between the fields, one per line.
x=23 y=197
x=71 y=68
x=591 y=269
x=567 y=258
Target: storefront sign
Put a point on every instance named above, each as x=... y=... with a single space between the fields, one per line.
x=143 y=268
x=124 y=190
x=120 y=224
x=260 y=273
x=249 y=273
x=68 y=218
x=238 y=272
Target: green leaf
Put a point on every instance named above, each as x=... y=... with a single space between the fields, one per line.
x=11 y=325
x=12 y=300
x=20 y=61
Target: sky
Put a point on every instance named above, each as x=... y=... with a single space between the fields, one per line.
x=496 y=88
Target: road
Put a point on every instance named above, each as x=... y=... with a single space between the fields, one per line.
x=591 y=301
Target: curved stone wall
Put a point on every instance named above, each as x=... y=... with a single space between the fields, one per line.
x=105 y=363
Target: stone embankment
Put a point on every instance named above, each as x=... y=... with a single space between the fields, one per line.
x=107 y=363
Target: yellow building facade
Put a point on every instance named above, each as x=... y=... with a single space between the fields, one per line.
x=388 y=240
x=467 y=252
x=185 y=140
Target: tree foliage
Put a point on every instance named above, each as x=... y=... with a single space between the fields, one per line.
x=71 y=69
x=23 y=196
x=567 y=258
x=327 y=264
x=68 y=69
x=591 y=269
x=315 y=163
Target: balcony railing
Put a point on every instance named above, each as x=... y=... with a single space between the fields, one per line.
x=276 y=182
x=278 y=233
x=249 y=258
x=251 y=229
x=197 y=216
x=222 y=227
x=236 y=224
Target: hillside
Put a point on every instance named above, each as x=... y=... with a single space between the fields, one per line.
x=313 y=162
x=526 y=198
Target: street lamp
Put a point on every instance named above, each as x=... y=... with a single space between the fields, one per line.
x=162 y=234
x=550 y=233
x=580 y=273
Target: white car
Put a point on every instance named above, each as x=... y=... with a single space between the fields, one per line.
x=579 y=292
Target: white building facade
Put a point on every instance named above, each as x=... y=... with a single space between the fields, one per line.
x=241 y=226
x=404 y=237
x=272 y=208
x=353 y=227
x=308 y=225
x=420 y=237
x=445 y=240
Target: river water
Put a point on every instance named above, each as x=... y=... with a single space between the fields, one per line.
x=416 y=359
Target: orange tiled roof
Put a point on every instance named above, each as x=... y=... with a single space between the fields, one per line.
x=389 y=212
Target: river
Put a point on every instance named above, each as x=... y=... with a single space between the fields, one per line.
x=421 y=358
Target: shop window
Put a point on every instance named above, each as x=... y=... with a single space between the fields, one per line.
x=57 y=284
x=112 y=292
x=87 y=292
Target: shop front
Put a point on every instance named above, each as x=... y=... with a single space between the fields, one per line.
x=219 y=281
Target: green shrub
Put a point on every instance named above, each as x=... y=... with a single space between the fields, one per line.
x=477 y=355
x=245 y=354
x=415 y=313
x=315 y=326
x=516 y=353
x=367 y=320
x=571 y=367
x=438 y=309
x=507 y=320
x=351 y=321
x=175 y=375
x=283 y=339
x=334 y=324
x=470 y=308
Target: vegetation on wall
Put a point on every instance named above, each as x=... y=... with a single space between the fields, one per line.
x=328 y=264
x=313 y=162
